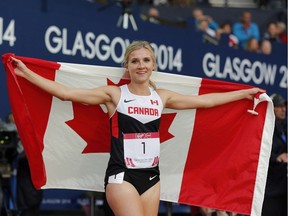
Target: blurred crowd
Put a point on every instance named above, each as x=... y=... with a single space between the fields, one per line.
x=243 y=34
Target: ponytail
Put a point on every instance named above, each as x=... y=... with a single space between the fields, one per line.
x=152 y=84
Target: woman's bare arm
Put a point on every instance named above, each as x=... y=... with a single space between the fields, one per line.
x=174 y=100
x=98 y=95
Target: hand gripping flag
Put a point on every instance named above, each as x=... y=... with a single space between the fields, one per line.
x=216 y=157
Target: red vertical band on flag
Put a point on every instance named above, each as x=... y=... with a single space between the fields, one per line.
x=29 y=112
x=223 y=156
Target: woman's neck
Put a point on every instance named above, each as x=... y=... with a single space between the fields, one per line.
x=139 y=89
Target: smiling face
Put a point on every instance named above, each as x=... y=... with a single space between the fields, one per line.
x=140 y=65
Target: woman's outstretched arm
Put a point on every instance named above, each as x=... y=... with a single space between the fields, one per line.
x=98 y=95
x=174 y=100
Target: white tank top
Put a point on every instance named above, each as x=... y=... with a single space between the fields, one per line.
x=143 y=108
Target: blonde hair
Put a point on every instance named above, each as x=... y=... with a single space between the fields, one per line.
x=135 y=45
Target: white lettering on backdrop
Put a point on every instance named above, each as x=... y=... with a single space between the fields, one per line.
x=103 y=47
x=7 y=33
x=244 y=70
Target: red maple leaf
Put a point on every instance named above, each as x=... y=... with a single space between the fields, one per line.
x=92 y=124
x=165 y=123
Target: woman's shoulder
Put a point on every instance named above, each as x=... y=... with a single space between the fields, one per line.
x=164 y=93
x=112 y=90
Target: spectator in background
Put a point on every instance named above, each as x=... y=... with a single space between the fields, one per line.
x=272 y=33
x=28 y=198
x=226 y=28
x=275 y=199
x=151 y=16
x=209 y=35
x=252 y=45
x=245 y=29
x=199 y=16
x=266 y=47
x=203 y=26
x=281 y=27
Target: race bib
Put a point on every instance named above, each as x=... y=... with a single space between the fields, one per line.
x=141 y=150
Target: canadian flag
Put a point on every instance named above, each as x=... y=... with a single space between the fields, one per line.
x=216 y=157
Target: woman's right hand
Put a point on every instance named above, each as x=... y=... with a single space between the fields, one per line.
x=19 y=67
